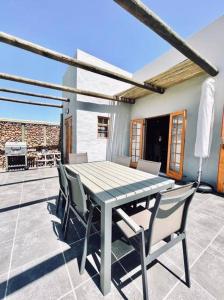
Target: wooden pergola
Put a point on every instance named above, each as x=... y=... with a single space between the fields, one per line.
x=195 y=64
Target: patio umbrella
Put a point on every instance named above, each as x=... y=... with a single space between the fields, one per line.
x=205 y=122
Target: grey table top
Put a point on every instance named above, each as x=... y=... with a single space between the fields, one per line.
x=108 y=182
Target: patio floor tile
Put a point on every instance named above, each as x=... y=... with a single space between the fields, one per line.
x=5 y=254
x=41 y=279
x=73 y=257
x=33 y=246
x=182 y=292
x=44 y=266
x=161 y=274
x=209 y=273
x=120 y=289
x=3 y=283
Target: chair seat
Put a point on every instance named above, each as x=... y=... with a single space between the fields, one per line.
x=142 y=218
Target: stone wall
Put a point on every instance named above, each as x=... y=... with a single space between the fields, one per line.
x=38 y=135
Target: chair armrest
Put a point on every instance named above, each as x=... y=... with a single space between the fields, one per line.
x=128 y=220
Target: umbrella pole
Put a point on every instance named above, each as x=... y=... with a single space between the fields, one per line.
x=200 y=170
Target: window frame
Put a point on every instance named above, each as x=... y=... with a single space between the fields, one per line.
x=103 y=125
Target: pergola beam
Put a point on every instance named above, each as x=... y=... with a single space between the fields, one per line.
x=151 y=20
x=34 y=94
x=23 y=44
x=64 y=88
x=30 y=102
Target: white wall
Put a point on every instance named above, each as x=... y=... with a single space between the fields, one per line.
x=85 y=110
x=210 y=43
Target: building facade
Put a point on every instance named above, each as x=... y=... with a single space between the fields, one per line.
x=151 y=116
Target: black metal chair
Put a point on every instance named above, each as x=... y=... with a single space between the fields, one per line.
x=165 y=222
x=82 y=207
x=63 y=190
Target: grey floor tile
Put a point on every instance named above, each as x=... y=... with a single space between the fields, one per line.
x=214 y=206
x=176 y=253
x=68 y=296
x=217 y=247
x=42 y=279
x=162 y=274
x=35 y=216
x=3 y=282
x=9 y=201
x=5 y=254
x=7 y=226
x=34 y=245
x=209 y=273
x=120 y=245
x=73 y=257
x=120 y=287
x=202 y=227
x=182 y=292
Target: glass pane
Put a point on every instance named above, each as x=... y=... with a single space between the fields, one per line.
x=172 y=166
x=177 y=167
x=179 y=138
x=178 y=158
x=134 y=131
x=139 y=126
x=180 y=119
x=178 y=149
x=172 y=157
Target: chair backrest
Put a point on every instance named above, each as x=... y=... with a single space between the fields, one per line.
x=123 y=160
x=62 y=177
x=78 y=158
x=77 y=194
x=149 y=166
x=170 y=213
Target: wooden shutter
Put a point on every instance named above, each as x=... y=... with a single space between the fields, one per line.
x=136 y=141
x=175 y=157
x=220 y=181
x=68 y=139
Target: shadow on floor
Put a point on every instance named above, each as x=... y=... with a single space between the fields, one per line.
x=25 y=181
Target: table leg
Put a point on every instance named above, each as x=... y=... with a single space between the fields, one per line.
x=106 y=236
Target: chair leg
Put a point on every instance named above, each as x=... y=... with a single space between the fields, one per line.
x=58 y=202
x=144 y=270
x=66 y=223
x=147 y=203
x=65 y=214
x=186 y=262
x=85 y=247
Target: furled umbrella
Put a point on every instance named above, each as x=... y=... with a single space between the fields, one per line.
x=205 y=122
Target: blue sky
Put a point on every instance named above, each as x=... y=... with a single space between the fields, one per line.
x=100 y=27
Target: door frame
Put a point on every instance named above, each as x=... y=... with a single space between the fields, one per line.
x=169 y=172
x=143 y=139
x=68 y=137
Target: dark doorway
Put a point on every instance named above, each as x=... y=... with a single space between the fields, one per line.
x=156 y=140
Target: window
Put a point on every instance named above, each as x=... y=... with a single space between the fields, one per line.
x=103 y=127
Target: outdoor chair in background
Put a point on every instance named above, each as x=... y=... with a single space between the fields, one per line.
x=63 y=189
x=123 y=160
x=148 y=166
x=83 y=208
x=78 y=158
x=166 y=221
x=152 y=167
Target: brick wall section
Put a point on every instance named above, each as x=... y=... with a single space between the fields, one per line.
x=38 y=136
x=35 y=135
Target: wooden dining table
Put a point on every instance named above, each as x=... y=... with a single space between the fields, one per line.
x=111 y=185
